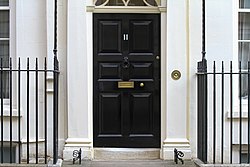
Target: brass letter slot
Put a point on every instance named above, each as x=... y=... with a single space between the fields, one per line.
x=126 y=84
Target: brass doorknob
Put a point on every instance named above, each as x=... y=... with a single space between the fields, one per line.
x=141 y=84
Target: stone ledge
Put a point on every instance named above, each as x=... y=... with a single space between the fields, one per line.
x=201 y=164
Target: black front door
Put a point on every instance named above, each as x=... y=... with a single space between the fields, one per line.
x=126 y=80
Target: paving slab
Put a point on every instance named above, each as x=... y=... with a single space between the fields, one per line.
x=134 y=163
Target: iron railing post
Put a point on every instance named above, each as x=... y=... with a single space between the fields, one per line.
x=2 y=94
x=19 y=110
x=248 y=112
x=203 y=29
x=202 y=110
x=11 y=112
x=231 y=112
x=28 y=110
x=55 y=111
x=222 y=111
x=55 y=107
x=45 y=112
x=240 y=110
x=214 y=112
x=36 y=108
x=202 y=94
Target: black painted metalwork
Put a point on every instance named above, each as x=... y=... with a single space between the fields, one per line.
x=55 y=111
x=36 y=105
x=19 y=110
x=55 y=99
x=33 y=79
x=203 y=30
x=55 y=29
x=226 y=81
x=248 y=109
x=77 y=155
x=10 y=96
x=248 y=120
x=240 y=106
x=202 y=94
x=45 y=111
x=231 y=112
x=214 y=112
x=222 y=111
x=202 y=111
x=28 y=114
x=125 y=63
x=178 y=156
x=1 y=110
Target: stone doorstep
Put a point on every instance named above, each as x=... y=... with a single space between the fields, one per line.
x=201 y=164
x=106 y=154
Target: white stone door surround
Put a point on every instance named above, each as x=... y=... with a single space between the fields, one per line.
x=80 y=87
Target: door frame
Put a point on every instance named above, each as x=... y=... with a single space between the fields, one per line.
x=163 y=70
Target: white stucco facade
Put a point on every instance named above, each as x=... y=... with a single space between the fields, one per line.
x=181 y=39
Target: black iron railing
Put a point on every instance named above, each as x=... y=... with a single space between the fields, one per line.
x=220 y=95
x=36 y=80
x=202 y=110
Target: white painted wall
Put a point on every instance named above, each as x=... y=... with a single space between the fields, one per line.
x=195 y=56
x=62 y=57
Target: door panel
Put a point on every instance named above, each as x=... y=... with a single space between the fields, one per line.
x=142 y=70
x=109 y=71
x=125 y=49
x=110 y=110
x=141 y=36
x=141 y=114
x=109 y=43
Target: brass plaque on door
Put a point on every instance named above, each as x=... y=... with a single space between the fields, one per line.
x=126 y=84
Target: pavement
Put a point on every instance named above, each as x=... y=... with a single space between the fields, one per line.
x=134 y=163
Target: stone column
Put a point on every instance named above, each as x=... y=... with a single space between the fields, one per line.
x=177 y=91
x=79 y=80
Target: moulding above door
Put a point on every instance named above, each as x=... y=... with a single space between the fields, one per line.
x=126 y=9
x=128 y=3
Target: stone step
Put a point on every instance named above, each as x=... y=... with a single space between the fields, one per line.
x=126 y=154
